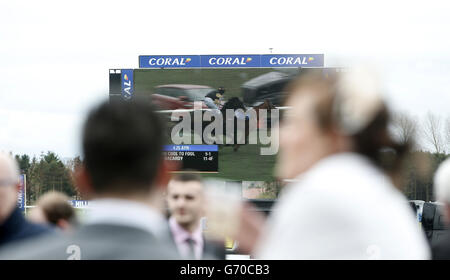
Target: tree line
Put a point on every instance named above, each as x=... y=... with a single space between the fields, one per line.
x=429 y=137
x=48 y=173
x=430 y=141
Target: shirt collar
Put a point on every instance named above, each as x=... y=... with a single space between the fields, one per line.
x=180 y=234
x=127 y=213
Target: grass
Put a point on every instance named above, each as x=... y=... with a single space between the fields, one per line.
x=246 y=164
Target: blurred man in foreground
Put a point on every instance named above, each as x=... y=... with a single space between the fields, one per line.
x=53 y=208
x=123 y=173
x=336 y=147
x=13 y=226
x=186 y=201
x=441 y=251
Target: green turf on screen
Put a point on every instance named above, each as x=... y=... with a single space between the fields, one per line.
x=244 y=165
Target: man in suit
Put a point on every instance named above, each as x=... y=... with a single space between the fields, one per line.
x=186 y=201
x=13 y=226
x=123 y=174
x=441 y=250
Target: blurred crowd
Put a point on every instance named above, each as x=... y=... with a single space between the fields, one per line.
x=335 y=150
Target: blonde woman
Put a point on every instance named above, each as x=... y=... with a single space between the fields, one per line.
x=335 y=145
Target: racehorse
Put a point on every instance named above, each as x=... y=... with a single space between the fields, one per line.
x=235 y=103
x=267 y=105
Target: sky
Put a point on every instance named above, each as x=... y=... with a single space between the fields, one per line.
x=55 y=55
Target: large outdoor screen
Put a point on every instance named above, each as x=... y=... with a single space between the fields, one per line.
x=248 y=162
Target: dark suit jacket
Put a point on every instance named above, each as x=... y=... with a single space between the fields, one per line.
x=211 y=249
x=214 y=249
x=441 y=250
x=17 y=228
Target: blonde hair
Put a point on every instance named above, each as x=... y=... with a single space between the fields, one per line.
x=371 y=139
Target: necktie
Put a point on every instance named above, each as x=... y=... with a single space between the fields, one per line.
x=191 y=253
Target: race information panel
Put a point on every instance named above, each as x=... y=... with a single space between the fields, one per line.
x=203 y=158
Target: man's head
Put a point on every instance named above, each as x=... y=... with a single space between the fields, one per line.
x=442 y=186
x=122 y=145
x=54 y=208
x=9 y=185
x=186 y=200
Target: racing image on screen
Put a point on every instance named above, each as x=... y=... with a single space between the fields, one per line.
x=172 y=89
x=193 y=92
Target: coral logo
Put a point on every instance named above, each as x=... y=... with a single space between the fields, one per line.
x=229 y=60
x=290 y=60
x=169 y=61
x=127 y=83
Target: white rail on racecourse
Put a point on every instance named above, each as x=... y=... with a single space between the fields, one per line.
x=192 y=110
x=78 y=207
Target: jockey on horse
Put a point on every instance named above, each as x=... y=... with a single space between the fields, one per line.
x=213 y=101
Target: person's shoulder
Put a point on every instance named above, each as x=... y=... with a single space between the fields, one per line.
x=30 y=230
x=441 y=250
x=31 y=248
x=111 y=241
x=350 y=177
x=102 y=242
x=330 y=189
x=33 y=228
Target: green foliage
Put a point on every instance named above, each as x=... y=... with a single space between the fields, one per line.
x=47 y=173
x=24 y=163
